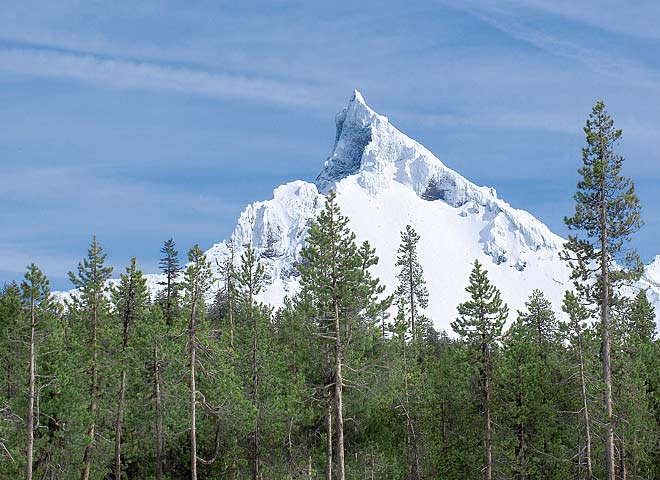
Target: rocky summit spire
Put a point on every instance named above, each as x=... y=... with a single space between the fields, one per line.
x=369 y=146
x=354 y=131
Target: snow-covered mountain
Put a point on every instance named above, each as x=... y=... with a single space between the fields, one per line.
x=384 y=180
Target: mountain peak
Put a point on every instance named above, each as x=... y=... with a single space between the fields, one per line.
x=357 y=112
x=357 y=97
x=354 y=133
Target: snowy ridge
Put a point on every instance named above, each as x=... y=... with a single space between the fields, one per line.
x=276 y=228
x=369 y=146
x=384 y=180
x=651 y=281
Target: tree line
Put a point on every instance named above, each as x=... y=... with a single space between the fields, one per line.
x=115 y=384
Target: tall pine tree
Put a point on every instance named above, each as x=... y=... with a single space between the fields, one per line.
x=36 y=296
x=250 y=279
x=607 y=213
x=411 y=291
x=91 y=283
x=170 y=267
x=480 y=323
x=197 y=280
x=343 y=298
x=131 y=301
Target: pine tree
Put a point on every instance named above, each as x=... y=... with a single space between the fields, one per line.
x=531 y=368
x=227 y=295
x=170 y=267
x=607 y=213
x=250 y=279
x=130 y=300
x=197 y=280
x=412 y=296
x=36 y=296
x=641 y=319
x=411 y=289
x=11 y=361
x=480 y=323
x=405 y=401
x=343 y=298
x=540 y=319
x=633 y=328
x=91 y=283
x=10 y=315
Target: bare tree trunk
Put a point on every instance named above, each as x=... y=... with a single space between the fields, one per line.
x=328 y=451
x=623 y=471
x=31 y=382
x=585 y=406
x=605 y=330
x=94 y=404
x=339 y=407
x=193 y=394
x=410 y=421
x=412 y=300
x=231 y=311
x=159 y=414
x=488 y=431
x=119 y=425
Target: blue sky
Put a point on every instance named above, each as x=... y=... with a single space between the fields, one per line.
x=138 y=121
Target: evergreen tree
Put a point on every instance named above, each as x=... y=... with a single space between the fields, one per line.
x=407 y=399
x=250 y=279
x=91 y=283
x=411 y=290
x=540 y=319
x=36 y=296
x=198 y=277
x=130 y=300
x=11 y=358
x=225 y=303
x=10 y=315
x=170 y=267
x=607 y=213
x=641 y=319
x=343 y=298
x=531 y=370
x=480 y=323
x=633 y=328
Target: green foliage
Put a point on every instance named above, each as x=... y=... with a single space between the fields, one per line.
x=641 y=324
x=534 y=404
x=169 y=265
x=481 y=319
x=411 y=291
x=607 y=213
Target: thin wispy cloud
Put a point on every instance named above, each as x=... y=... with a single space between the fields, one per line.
x=518 y=120
x=508 y=18
x=636 y=19
x=127 y=74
